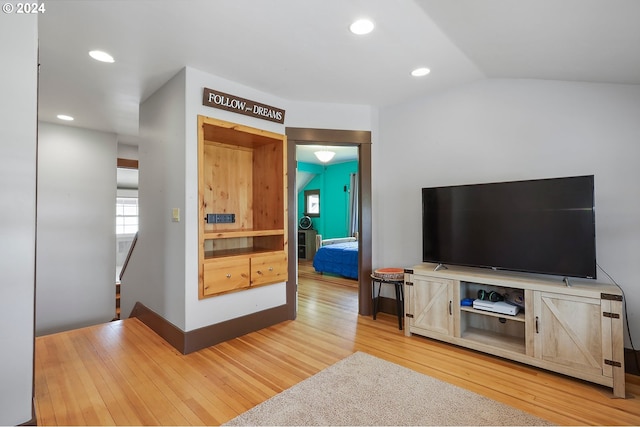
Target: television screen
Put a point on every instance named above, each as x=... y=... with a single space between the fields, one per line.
x=538 y=226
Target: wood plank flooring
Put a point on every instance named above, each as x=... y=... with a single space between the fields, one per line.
x=121 y=373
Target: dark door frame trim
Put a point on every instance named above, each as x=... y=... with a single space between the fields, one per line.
x=362 y=140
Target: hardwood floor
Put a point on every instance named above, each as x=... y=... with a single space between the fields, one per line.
x=306 y=271
x=121 y=373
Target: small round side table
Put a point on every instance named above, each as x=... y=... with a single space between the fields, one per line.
x=389 y=276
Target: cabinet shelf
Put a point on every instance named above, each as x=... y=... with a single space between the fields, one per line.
x=494 y=339
x=232 y=234
x=224 y=253
x=518 y=317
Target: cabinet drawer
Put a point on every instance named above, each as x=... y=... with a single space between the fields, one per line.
x=224 y=275
x=268 y=269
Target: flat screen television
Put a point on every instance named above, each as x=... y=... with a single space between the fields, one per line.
x=538 y=226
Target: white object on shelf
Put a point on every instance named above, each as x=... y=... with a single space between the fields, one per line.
x=496 y=307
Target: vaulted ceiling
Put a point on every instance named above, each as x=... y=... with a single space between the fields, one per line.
x=302 y=49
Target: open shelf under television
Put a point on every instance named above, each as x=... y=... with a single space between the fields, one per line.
x=517 y=318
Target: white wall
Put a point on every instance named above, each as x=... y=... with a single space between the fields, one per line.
x=495 y=130
x=127 y=151
x=76 y=228
x=18 y=115
x=155 y=274
x=329 y=116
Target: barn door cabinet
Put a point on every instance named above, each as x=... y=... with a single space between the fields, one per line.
x=575 y=330
x=431 y=301
x=242 y=207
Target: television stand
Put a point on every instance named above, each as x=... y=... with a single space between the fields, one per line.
x=546 y=334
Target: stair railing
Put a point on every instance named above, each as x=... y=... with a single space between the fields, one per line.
x=126 y=261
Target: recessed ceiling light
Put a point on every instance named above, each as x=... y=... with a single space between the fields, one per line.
x=361 y=26
x=101 y=56
x=419 y=72
x=64 y=117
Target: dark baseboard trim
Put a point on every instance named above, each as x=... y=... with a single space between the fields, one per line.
x=188 y=342
x=161 y=326
x=34 y=420
x=214 y=334
x=631 y=359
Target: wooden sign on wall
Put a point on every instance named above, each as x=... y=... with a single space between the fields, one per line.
x=224 y=101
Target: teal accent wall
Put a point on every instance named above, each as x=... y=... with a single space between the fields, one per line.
x=334 y=200
x=310 y=167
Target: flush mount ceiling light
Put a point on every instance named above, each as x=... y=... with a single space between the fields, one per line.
x=324 y=155
x=64 y=117
x=101 y=56
x=419 y=72
x=361 y=26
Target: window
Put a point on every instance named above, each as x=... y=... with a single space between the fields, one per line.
x=126 y=215
x=312 y=202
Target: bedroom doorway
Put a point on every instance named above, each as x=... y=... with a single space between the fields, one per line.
x=338 y=141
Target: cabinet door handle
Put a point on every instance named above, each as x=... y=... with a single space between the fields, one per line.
x=450 y=308
x=270 y=268
x=228 y=275
x=537 y=328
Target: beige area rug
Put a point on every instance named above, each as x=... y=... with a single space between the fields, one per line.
x=365 y=390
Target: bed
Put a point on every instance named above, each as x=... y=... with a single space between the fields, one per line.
x=337 y=256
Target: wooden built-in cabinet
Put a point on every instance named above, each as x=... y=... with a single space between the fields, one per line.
x=575 y=330
x=242 y=196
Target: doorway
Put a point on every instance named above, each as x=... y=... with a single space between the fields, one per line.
x=126 y=219
x=328 y=137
